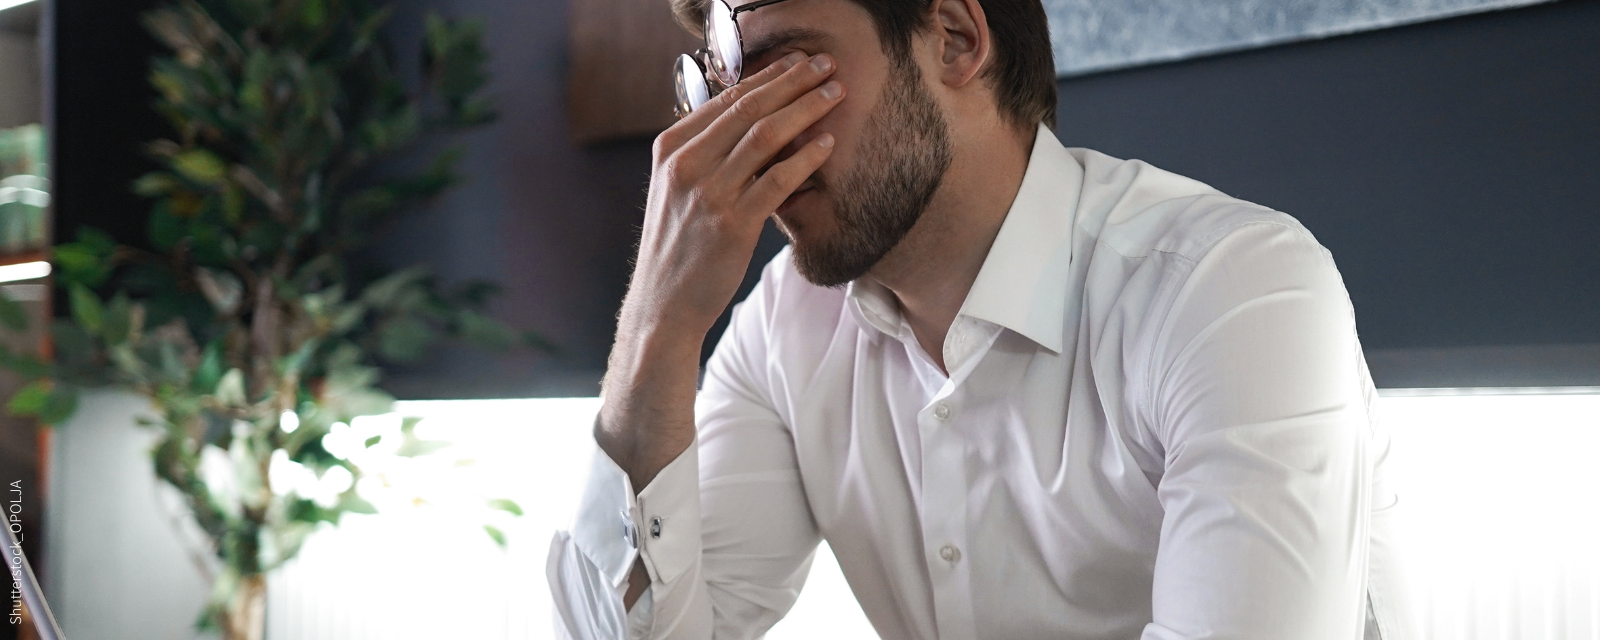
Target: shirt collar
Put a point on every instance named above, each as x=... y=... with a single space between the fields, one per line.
x=1022 y=285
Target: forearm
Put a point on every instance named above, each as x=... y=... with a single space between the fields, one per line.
x=647 y=416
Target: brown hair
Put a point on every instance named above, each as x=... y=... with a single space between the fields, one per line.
x=1023 y=73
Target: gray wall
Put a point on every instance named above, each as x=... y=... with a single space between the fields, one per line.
x=551 y=222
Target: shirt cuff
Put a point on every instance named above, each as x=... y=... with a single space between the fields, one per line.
x=668 y=513
x=662 y=523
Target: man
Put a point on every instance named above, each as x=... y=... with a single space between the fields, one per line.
x=1023 y=391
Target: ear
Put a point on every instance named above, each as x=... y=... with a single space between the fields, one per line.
x=961 y=34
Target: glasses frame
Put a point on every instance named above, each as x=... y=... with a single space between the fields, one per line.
x=706 y=65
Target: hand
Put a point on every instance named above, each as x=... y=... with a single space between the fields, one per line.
x=714 y=184
x=709 y=195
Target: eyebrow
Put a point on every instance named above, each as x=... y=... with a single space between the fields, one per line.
x=785 y=37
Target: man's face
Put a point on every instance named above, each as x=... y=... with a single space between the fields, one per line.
x=892 y=142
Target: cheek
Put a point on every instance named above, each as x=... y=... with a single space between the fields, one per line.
x=847 y=122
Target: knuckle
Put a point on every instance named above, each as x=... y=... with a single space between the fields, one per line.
x=763 y=134
x=731 y=94
x=747 y=108
x=661 y=148
x=672 y=171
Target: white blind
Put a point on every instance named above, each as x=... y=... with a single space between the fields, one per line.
x=1500 y=496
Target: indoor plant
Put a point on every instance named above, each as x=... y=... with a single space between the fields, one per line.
x=244 y=326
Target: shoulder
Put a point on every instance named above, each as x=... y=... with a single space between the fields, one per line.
x=1139 y=211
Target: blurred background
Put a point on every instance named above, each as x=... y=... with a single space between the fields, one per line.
x=1447 y=152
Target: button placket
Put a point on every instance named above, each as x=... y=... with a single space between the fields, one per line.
x=944 y=512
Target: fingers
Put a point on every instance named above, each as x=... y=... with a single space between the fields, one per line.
x=770 y=135
x=685 y=129
x=730 y=126
x=774 y=186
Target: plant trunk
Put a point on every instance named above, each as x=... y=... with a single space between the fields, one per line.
x=246 y=617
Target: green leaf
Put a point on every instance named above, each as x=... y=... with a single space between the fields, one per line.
x=313 y=13
x=355 y=504
x=118 y=319
x=372 y=441
x=505 y=505
x=209 y=373
x=155 y=183
x=86 y=261
x=165 y=227
x=384 y=291
x=26 y=366
x=484 y=331
x=12 y=314
x=97 y=241
x=455 y=58
x=200 y=165
x=230 y=389
x=495 y=534
x=86 y=308
x=30 y=400
x=233 y=205
x=295 y=363
x=412 y=446
x=404 y=338
x=60 y=405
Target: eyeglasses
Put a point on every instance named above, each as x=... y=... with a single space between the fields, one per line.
x=700 y=76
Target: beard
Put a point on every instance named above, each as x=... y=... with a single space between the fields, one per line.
x=905 y=153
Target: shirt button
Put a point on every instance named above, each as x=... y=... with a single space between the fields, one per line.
x=950 y=553
x=941 y=412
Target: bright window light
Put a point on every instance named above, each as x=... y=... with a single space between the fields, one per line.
x=1501 y=506
x=1498 y=494
x=7 y=4
x=24 y=271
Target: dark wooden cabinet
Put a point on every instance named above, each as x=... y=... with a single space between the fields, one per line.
x=620 y=78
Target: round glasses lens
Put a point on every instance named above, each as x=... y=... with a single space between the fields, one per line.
x=722 y=38
x=690 y=82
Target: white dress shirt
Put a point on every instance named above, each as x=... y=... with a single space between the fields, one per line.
x=1157 y=424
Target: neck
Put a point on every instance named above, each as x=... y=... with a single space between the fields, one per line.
x=933 y=268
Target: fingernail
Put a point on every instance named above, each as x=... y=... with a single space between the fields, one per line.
x=822 y=62
x=831 y=90
x=793 y=59
x=825 y=140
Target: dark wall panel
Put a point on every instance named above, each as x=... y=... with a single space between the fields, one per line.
x=1450 y=167
x=102 y=117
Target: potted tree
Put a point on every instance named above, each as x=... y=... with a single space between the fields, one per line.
x=245 y=328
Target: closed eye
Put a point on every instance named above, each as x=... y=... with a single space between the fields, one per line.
x=770 y=47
